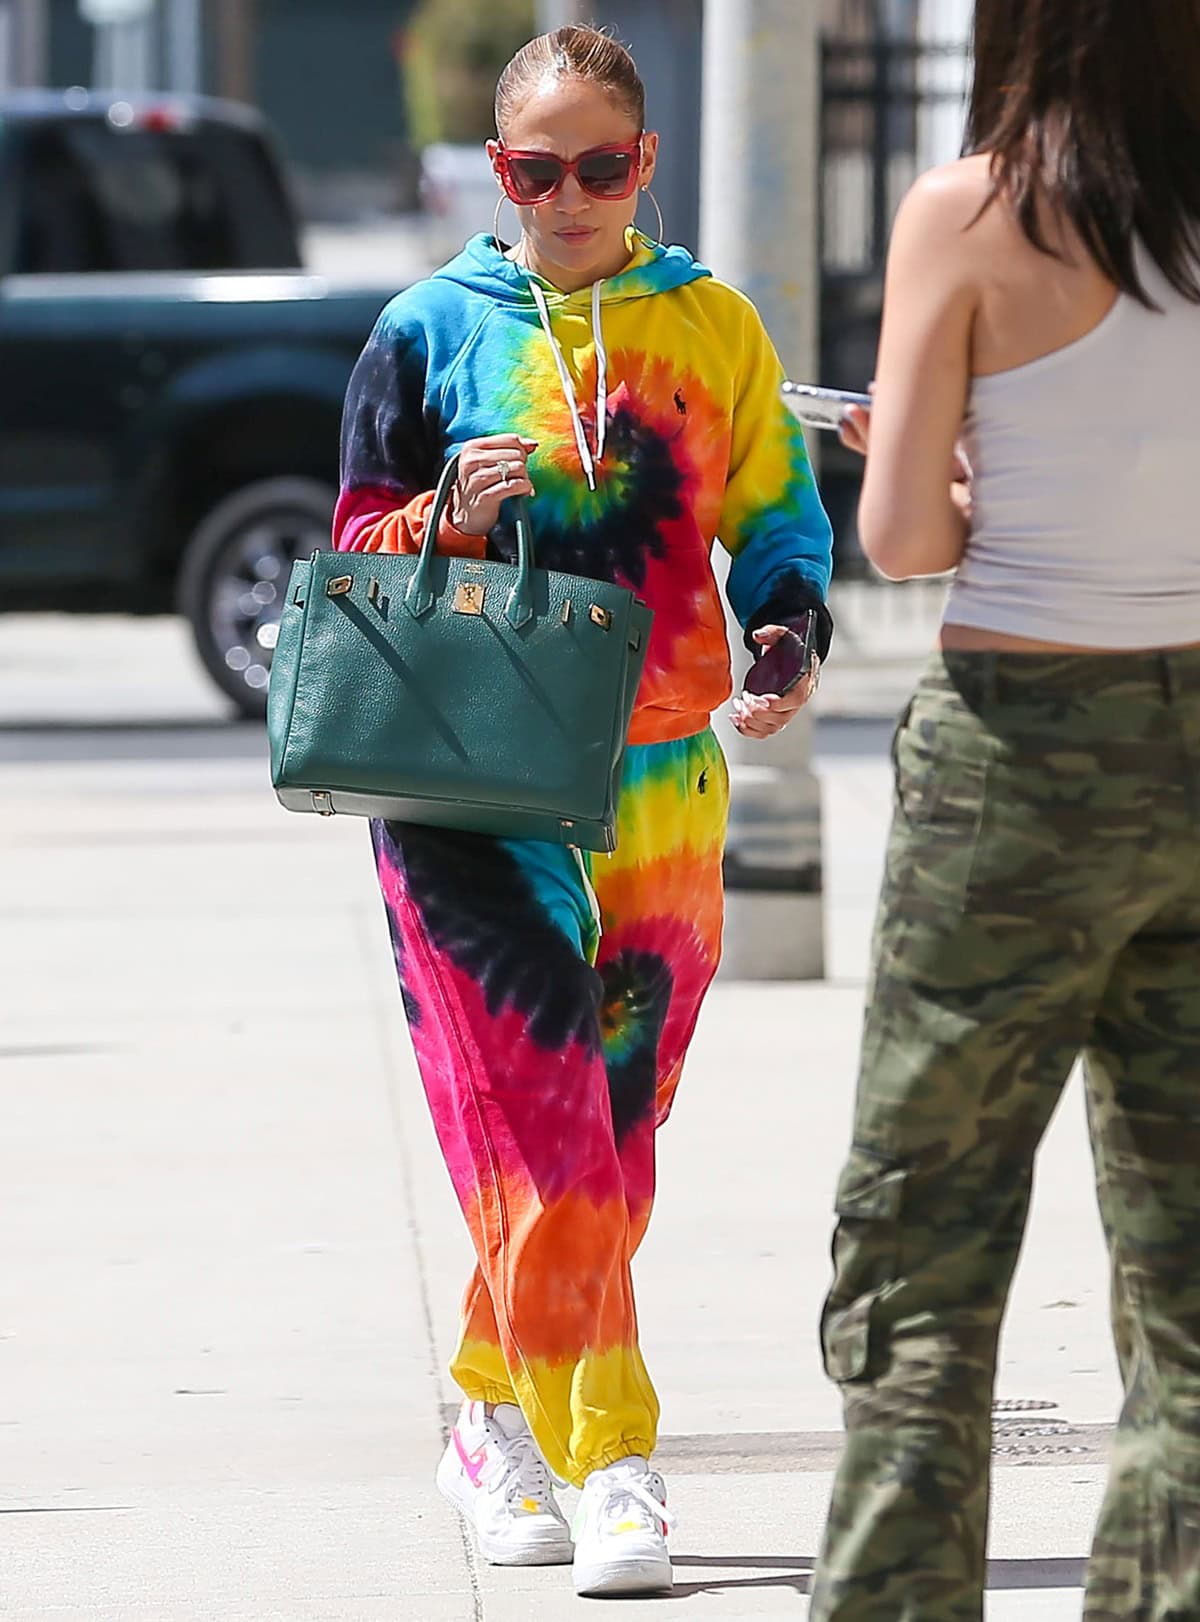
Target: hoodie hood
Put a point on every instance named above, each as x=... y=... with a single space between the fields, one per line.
x=652 y=268
x=483 y=270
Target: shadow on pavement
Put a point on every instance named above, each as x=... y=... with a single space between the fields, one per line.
x=47 y=742
x=1037 y=1573
x=796 y=1573
x=42 y=742
x=799 y=1581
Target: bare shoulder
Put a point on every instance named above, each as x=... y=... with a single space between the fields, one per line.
x=942 y=208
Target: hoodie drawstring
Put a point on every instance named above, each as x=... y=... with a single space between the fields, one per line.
x=588 y=462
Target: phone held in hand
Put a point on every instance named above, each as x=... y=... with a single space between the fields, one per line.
x=820 y=408
x=779 y=668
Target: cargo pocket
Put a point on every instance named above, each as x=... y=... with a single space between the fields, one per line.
x=866 y=1247
x=940 y=775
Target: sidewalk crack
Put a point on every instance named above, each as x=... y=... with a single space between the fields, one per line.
x=413 y=1225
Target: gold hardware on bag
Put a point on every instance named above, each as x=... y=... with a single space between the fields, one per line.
x=600 y=616
x=320 y=802
x=373 y=590
x=566 y=611
x=339 y=585
x=468 y=598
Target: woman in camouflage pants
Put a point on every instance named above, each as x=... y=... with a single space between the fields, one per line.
x=1042 y=889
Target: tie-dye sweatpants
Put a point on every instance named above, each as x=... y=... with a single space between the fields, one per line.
x=551 y=997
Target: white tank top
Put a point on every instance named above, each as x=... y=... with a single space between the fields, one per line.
x=1086 y=469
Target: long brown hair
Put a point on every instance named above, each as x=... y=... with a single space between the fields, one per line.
x=575 y=52
x=1091 y=108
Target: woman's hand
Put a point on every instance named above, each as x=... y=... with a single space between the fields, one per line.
x=762 y=715
x=489 y=472
x=855 y=431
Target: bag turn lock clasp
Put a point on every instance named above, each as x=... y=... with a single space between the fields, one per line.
x=468 y=598
x=339 y=585
x=600 y=616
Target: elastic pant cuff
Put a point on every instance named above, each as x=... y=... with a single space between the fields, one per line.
x=477 y=1391
x=633 y=1447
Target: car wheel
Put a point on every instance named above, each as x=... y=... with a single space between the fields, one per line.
x=235 y=573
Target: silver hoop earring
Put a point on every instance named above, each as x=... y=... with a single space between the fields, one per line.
x=662 y=234
x=504 y=198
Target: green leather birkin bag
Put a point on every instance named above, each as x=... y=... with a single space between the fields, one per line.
x=456 y=692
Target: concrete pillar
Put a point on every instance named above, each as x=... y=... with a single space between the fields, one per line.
x=758 y=230
x=26 y=43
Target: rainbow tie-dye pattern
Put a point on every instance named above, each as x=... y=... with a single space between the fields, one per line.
x=547 y=1074
x=698 y=446
x=551 y=996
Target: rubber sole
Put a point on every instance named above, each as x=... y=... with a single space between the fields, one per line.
x=450 y=1483
x=645 y=1576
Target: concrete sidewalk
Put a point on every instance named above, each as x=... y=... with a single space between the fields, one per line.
x=232 y=1259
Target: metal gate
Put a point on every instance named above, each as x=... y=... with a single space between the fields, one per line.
x=890 y=108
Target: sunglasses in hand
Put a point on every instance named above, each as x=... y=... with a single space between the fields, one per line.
x=608 y=173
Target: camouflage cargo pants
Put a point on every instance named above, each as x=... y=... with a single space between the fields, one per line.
x=1041 y=899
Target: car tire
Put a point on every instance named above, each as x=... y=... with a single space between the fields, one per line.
x=234 y=576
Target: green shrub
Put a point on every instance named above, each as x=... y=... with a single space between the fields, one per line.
x=455 y=51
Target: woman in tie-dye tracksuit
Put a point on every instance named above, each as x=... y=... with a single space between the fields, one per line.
x=552 y=995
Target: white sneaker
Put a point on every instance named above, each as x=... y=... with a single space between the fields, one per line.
x=495 y=1477
x=621 y=1532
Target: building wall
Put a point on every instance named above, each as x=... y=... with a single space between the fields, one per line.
x=327 y=75
x=70 y=45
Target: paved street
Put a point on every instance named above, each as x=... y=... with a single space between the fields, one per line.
x=232 y=1259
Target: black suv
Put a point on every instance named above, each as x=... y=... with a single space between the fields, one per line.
x=171 y=381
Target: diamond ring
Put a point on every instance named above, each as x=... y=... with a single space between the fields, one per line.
x=505 y=471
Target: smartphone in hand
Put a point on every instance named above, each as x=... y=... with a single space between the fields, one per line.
x=778 y=669
x=821 y=408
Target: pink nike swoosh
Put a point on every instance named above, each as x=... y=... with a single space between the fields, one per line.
x=472 y=1463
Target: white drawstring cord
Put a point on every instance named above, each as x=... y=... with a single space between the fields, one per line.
x=601 y=371
x=585 y=452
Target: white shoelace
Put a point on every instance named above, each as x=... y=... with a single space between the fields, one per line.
x=588 y=462
x=622 y=1496
x=518 y=1457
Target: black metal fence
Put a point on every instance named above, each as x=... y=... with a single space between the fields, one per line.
x=890 y=108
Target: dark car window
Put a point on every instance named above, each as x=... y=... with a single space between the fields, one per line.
x=99 y=198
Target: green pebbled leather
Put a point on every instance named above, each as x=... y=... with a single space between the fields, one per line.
x=387 y=701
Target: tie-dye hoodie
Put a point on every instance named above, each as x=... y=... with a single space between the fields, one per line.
x=692 y=444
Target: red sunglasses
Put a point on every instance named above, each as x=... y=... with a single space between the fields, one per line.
x=609 y=173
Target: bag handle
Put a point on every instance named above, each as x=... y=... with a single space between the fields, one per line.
x=419 y=597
